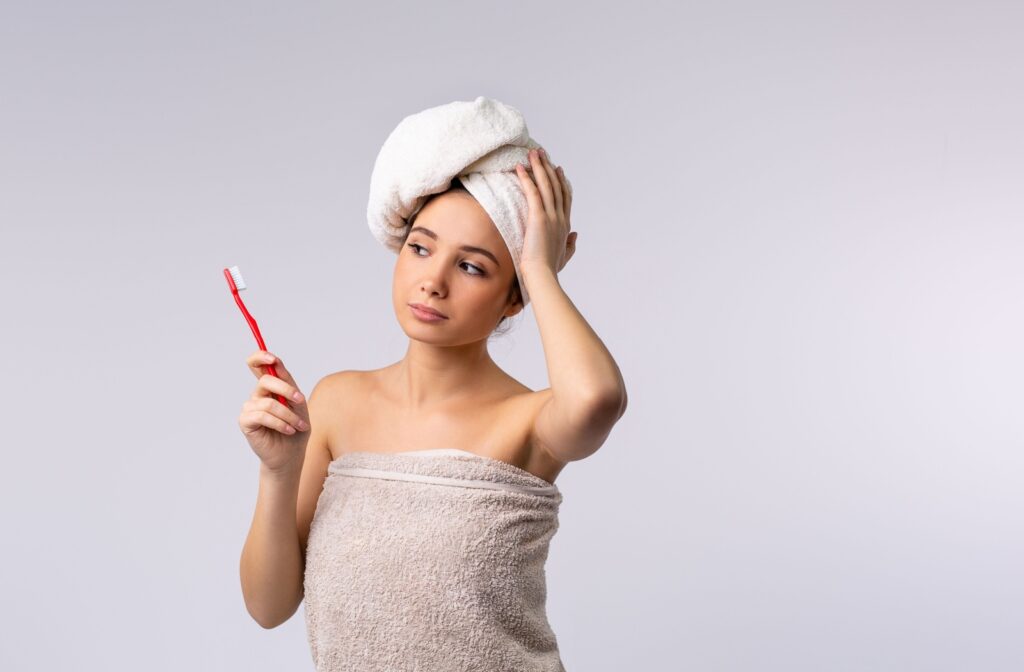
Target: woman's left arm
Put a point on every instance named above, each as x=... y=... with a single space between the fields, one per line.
x=588 y=395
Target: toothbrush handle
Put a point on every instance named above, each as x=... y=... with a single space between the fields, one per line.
x=259 y=339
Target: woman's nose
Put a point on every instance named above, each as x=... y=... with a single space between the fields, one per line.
x=434 y=280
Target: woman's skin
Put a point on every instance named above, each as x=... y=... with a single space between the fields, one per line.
x=447 y=361
x=446 y=387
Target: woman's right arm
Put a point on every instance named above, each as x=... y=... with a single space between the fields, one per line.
x=293 y=467
x=272 y=565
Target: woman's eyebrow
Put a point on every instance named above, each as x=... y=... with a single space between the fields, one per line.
x=466 y=248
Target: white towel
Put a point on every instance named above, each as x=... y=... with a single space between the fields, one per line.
x=480 y=142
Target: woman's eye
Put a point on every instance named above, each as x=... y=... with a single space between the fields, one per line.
x=479 y=271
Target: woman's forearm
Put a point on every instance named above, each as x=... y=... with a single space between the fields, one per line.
x=580 y=369
x=272 y=567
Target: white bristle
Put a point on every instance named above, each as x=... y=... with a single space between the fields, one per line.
x=236 y=275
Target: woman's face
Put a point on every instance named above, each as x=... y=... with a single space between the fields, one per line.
x=470 y=287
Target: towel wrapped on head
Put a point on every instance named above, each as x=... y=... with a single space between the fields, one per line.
x=480 y=142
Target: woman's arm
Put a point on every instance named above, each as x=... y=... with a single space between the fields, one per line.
x=588 y=394
x=272 y=566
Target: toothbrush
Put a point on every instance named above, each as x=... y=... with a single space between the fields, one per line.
x=237 y=284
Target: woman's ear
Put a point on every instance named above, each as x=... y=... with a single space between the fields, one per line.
x=515 y=302
x=514 y=309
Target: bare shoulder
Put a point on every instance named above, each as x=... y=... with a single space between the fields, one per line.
x=341 y=385
x=338 y=403
x=331 y=395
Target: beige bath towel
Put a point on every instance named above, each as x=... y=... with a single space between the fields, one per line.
x=430 y=561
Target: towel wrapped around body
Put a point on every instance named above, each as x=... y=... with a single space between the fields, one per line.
x=430 y=560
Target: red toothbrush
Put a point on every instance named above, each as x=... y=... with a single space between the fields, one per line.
x=237 y=284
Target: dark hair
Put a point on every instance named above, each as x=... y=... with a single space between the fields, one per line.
x=514 y=292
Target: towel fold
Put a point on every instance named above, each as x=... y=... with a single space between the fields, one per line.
x=430 y=560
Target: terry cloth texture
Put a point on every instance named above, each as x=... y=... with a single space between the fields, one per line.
x=480 y=142
x=430 y=560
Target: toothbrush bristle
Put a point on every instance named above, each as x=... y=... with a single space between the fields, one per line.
x=236 y=275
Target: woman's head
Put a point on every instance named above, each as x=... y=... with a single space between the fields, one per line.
x=454 y=260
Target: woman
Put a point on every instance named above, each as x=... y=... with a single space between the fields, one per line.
x=422 y=494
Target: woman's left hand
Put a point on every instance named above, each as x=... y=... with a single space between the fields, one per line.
x=548 y=240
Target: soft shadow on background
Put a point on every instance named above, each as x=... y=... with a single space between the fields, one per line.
x=800 y=235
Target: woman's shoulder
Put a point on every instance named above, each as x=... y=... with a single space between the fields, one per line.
x=344 y=382
x=333 y=391
x=365 y=383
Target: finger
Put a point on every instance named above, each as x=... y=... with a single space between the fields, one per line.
x=566 y=193
x=282 y=372
x=255 y=419
x=540 y=174
x=276 y=408
x=253 y=408
x=269 y=384
x=556 y=188
x=263 y=360
x=530 y=189
x=259 y=360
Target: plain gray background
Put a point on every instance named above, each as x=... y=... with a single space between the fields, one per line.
x=800 y=235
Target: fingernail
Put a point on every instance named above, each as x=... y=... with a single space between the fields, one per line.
x=297 y=397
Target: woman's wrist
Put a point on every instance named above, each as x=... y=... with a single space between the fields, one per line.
x=287 y=475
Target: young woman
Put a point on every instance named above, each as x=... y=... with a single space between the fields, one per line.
x=422 y=493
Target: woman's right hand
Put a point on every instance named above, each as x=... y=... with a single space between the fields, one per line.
x=277 y=433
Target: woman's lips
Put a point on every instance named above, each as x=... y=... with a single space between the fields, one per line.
x=425 y=315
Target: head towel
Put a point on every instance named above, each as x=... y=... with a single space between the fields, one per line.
x=480 y=142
